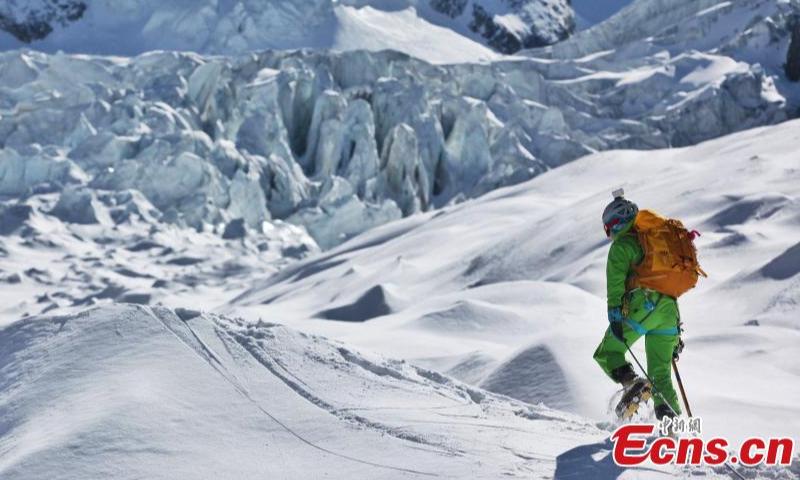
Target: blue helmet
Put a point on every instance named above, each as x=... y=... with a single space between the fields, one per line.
x=619 y=213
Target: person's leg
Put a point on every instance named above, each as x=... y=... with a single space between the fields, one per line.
x=659 y=367
x=610 y=355
x=659 y=352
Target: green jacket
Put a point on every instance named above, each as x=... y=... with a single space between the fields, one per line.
x=625 y=252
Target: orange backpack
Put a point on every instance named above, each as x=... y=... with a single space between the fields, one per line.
x=670 y=263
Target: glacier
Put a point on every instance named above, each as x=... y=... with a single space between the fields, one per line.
x=339 y=143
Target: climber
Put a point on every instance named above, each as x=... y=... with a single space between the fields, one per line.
x=636 y=310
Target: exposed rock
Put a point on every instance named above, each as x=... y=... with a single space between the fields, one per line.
x=451 y=8
x=80 y=205
x=234 y=230
x=793 y=54
x=511 y=25
x=12 y=217
x=37 y=23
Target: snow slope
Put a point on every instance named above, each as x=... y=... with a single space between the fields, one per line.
x=130 y=392
x=139 y=392
x=126 y=254
x=373 y=29
x=508 y=291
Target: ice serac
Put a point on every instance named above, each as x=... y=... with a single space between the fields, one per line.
x=341 y=142
x=403 y=176
x=80 y=205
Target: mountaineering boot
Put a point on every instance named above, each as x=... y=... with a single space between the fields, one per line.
x=664 y=411
x=637 y=391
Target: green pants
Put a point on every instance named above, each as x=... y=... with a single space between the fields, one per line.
x=611 y=352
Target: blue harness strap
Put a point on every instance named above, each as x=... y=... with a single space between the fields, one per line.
x=639 y=328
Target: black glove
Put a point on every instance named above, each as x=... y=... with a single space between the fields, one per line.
x=615 y=322
x=676 y=354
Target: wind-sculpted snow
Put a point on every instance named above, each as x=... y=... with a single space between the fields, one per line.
x=139 y=392
x=341 y=143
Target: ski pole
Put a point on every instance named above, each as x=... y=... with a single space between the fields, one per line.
x=680 y=386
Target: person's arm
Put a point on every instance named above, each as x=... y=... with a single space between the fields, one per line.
x=623 y=252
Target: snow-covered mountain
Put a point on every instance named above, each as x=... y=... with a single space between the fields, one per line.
x=505 y=25
x=229 y=27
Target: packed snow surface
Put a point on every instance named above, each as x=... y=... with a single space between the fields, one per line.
x=130 y=392
x=505 y=293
